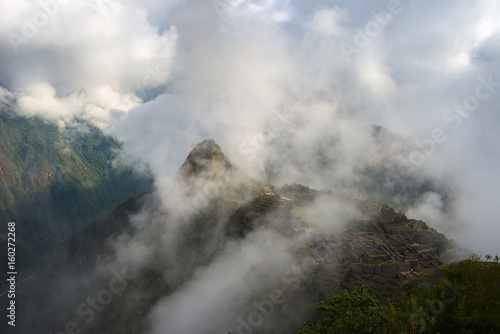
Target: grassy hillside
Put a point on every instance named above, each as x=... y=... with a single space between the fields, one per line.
x=52 y=182
x=457 y=298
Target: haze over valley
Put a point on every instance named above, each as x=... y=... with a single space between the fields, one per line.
x=199 y=166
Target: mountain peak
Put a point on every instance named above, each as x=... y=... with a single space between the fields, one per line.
x=205 y=158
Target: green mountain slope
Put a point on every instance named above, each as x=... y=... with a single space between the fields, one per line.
x=333 y=243
x=52 y=182
x=374 y=247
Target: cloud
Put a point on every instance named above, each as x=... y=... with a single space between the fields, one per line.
x=329 y=21
x=269 y=80
x=210 y=302
x=82 y=59
x=429 y=209
x=273 y=84
x=6 y=100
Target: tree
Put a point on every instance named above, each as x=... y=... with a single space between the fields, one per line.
x=355 y=312
x=466 y=301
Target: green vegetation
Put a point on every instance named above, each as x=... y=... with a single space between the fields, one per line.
x=313 y=215
x=295 y=188
x=466 y=300
x=356 y=312
x=369 y=227
x=477 y=309
x=53 y=182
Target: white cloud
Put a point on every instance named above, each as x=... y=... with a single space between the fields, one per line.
x=276 y=91
x=329 y=21
x=270 y=82
x=81 y=58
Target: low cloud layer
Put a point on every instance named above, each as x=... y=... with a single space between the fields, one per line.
x=289 y=89
x=330 y=94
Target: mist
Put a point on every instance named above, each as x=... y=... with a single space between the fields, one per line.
x=361 y=99
x=225 y=282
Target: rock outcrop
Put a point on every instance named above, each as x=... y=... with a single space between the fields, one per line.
x=378 y=247
x=206 y=159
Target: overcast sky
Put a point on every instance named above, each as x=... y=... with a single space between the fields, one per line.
x=164 y=75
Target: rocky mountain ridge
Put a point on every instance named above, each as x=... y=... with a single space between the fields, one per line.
x=329 y=243
x=378 y=247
